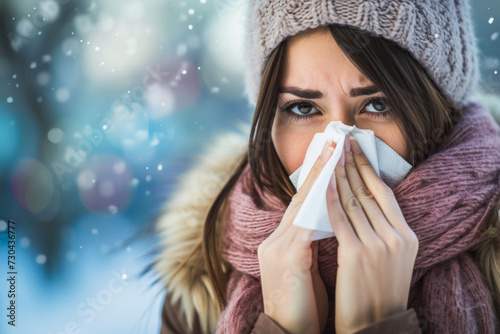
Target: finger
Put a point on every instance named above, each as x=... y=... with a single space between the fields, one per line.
x=315 y=170
x=305 y=295
x=301 y=245
x=370 y=206
x=288 y=216
x=340 y=223
x=352 y=207
x=301 y=194
x=382 y=193
x=302 y=235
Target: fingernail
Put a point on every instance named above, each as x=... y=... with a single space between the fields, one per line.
x=342 y=158
x=325 y=154
x=355 y=146
x=347 y=144
x=333 y=182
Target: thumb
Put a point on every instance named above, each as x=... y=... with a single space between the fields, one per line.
x=316 y=169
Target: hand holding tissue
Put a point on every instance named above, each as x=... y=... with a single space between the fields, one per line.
x=389 y=166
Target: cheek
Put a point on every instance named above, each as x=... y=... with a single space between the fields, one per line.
x=291 y=146
x=393 y=137
x=400 y=148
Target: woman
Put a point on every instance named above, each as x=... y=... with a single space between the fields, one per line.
x=418 y=257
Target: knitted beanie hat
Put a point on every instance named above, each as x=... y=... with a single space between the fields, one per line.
x=438 y=33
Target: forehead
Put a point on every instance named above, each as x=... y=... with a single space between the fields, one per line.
x=315 y=60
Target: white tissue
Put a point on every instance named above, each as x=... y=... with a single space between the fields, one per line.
x=389 y=166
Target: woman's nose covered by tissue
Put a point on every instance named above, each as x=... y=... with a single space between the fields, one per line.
x=389 y=166
x=386 y=162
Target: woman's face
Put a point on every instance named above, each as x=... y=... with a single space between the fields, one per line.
x=321 y=85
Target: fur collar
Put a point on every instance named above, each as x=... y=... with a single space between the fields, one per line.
x=180 y=225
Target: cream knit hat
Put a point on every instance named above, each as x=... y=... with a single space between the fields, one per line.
x=438 y=33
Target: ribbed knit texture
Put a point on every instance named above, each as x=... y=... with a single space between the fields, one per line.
x=445 y=201
x=438 y=33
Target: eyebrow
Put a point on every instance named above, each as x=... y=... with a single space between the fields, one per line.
x=314 y=94
x=368 y=90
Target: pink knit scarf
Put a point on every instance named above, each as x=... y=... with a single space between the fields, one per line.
x=445 y=200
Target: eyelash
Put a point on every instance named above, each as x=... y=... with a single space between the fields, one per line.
x=290 y=105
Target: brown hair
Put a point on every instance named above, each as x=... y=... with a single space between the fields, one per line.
x=423 y=113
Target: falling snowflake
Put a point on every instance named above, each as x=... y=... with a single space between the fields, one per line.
x=55 y=135
x=113 y=209
x=24 y=242
x=41 y=259
x=70 y=256
x=62 y=95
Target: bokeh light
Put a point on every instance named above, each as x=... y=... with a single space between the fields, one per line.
x=104 y=184
x=172 y=83
x=222 y=61
x=116 y=48
x=129 y=124
x=32 y=185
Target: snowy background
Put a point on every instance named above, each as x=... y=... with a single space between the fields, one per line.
x=102 y=106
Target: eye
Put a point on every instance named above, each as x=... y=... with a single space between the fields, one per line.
x=299 y=110
x=377 y=104
x=302 y=108
x=376 y=107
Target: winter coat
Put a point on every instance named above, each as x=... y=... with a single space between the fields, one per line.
x=190 y=298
